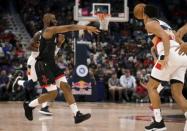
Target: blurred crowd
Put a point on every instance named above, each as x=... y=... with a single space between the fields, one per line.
x=12 y=60
x=119 y=58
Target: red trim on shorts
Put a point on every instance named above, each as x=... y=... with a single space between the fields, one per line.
x=59 y=76
x=44 y=86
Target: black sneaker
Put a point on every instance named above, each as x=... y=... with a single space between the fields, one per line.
x=81 y=117
x=45 y=111
x=156 y=126
x=28 y=111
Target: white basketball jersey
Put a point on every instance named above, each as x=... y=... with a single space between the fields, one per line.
x=168 y=30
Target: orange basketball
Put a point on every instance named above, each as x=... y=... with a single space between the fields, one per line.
x=139 y=10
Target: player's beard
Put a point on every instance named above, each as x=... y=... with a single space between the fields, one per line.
x=53 y=23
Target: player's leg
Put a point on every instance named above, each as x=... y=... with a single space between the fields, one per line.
x=29 y=106
x=158 y=123
x=62 y=83
x=78 y=116
x=157 y=75
x=176 y=89
x=46 y=79
x=159 y=89
x=45 y=108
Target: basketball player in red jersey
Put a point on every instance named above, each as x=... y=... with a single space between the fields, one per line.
x=30 y=84
x=170 y=65
x=49 y=74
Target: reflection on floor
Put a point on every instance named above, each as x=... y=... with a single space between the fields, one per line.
x=105 y=117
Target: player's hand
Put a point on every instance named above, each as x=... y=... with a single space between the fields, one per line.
x=164 y=62
x=92 y=29
x=180 y=33
x=182 y=49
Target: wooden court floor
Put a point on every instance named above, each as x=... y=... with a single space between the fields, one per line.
x=105 y=117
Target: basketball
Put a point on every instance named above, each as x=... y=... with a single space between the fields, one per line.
x=139 y=10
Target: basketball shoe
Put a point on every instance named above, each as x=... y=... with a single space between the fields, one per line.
x=28 y=111
x=81 y=117
x=45 y=111
x=156 y=126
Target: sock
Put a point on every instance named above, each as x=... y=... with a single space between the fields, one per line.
x=21 y=82
x=74 y=108
x=34 y=103
x=185 y=114
x=157 y=115
x=185 y=126
x=44 y=104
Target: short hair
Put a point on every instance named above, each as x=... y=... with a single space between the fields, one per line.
x=151 y=11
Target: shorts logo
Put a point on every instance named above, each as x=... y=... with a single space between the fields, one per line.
x=158 y=66
x=44 y=79
x=82 y=70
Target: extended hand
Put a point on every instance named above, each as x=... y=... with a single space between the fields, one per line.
x=180 y=33
x=92 y=29
x=182 y=49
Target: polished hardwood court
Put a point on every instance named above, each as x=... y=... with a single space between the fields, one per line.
x=105 y=117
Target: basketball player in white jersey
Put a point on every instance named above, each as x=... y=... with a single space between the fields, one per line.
x=170 y=65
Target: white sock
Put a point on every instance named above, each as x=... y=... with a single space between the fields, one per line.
x=74 y=108
x=20 y=82
x=44 y=104
x=160 y=87
x=157 y=115
x=34 y=103
x=185 y=114
x=185 y=126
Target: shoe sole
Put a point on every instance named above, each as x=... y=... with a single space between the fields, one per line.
x=45 y=113
x=155 y=129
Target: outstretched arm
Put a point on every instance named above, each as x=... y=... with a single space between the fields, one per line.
x=50 y=31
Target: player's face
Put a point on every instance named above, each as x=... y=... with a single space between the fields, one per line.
x=53 y=21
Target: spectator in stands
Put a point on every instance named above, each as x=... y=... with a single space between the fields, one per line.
x=4 y=79
x=140 y=94
x=114 y=86
x=128 y=83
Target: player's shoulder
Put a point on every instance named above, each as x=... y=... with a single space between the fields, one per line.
x=152 y=25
